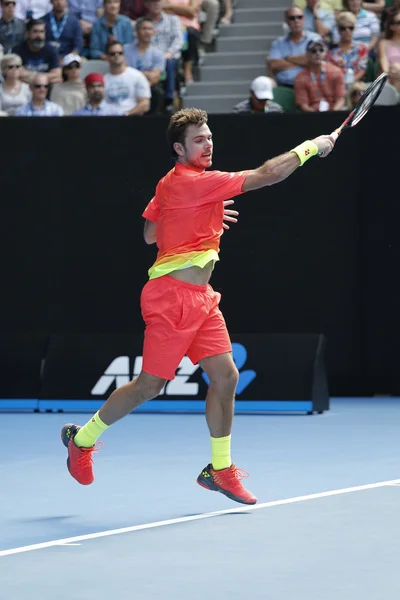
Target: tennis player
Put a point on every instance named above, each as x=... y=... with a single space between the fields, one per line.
x=179 y=307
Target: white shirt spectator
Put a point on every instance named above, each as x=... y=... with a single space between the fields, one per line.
x=50 y=109
x=10 y=102
x=123 y=90
x=38 y=8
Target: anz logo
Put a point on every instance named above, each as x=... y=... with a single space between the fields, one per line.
x=119 y=373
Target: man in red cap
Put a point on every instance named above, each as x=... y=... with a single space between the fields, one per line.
x=96 y=106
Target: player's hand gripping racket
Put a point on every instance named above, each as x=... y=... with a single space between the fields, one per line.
x=363 y=105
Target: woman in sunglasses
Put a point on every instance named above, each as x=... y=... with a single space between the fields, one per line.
x=13 y=92
x=389 y=50
x=351 y=56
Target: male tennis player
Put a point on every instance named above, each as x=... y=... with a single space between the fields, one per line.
x=179 y=307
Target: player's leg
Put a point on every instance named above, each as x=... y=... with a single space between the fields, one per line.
x=211 y=348
x=81 y=441
x=165 y=344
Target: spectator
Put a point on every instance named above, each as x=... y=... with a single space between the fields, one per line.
x=355 y=92
x=144 y=56
x=111 y=26
x=39 y=106
x=375 y=6
x=71 y=93
x=12 y=30
x=367 y=28
x=13 y=92
x=96 y=106
x=349 y=55
x=334 y=6
x=188 y=12
x=168 y=38
x=228 y=13
x=320 y=86
x=63 y=30
x=211 y=9
x=288 y=56
x=36 y=54
x=134 y=9
x=32 y=9
x=261 y=98
x=125 y=87
x=317 y=19
x=391 y=7
x=87 y=12
x=389 y=50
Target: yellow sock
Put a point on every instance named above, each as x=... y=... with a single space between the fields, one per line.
x=221 y=452
x=88 y=435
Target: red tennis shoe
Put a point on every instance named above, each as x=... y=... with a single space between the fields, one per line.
x=80 y=460
x=228 y=482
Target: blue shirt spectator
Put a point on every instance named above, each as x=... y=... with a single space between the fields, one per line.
x=102 y=110
x=325 y=17
x=283 y=47
x=44 y=60
x=63 y=30
x=49 y=109
x=103 y=32
x=150 y=59
x=85 y=9
x=12 y=30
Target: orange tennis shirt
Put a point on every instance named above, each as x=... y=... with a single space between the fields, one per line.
x=188 y=209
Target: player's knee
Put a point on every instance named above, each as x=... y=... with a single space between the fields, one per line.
x=227 y=380
x=148 y=386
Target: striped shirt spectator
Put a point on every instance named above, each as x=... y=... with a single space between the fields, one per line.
x=367 y=27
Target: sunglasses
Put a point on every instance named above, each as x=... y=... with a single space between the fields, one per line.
x=295 y=17
x=317 y=51
x=37 y=86
x=10 y=67
x=74 y=65
x=9 y=3
x=345 y=27
x=396 y=23
x=115 y=53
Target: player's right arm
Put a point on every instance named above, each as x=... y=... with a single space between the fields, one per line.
x=279 y=168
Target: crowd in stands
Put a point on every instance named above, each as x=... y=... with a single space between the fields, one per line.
x=136 y=57
x=89 y=57
x=329 y=53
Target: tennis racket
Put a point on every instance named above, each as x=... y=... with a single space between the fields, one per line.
x=363 y=105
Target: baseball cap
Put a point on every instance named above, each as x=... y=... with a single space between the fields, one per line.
x=312 y=43
x=71 y=58
x=262 y=88
x=94 y=78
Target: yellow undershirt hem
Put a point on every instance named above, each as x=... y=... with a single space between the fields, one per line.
x=182 y=261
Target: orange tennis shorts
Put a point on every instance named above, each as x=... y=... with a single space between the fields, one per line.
x=181 y=319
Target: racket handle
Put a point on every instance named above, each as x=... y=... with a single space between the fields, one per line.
x=335 y=135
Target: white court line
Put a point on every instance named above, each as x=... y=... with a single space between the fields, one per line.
x=242 y=508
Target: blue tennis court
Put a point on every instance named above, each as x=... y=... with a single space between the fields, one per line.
x=326 y=525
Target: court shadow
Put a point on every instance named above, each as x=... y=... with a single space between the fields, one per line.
x=54 y=519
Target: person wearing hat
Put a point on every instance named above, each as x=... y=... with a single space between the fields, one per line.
x=96 y=106
x=71 y=93
x=320 y=86
x=260 y=99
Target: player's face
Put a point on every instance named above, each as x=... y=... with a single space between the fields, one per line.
x=198 y=146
